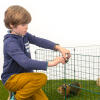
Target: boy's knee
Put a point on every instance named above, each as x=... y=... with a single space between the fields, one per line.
x=44 y=78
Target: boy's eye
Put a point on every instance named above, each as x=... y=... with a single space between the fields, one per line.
x=23 y=24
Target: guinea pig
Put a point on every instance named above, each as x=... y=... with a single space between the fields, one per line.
x=70 y=89
x=75 y=88
x=64 y=88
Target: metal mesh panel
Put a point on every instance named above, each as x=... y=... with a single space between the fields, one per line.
x=83 y=67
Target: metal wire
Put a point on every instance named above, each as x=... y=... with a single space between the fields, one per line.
x=83 y=67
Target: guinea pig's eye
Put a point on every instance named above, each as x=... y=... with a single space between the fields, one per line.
x=64 y=87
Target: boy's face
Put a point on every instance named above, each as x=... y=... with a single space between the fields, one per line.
x=20 y=29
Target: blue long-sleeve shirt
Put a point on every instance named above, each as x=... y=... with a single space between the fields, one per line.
x=17 y=58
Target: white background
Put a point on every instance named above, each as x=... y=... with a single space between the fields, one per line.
x=67 y=22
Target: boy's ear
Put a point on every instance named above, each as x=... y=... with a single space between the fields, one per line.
x=12 y=26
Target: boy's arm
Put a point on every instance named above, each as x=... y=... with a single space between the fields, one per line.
x=44 y=43
x=49 y=45
x=18 y=55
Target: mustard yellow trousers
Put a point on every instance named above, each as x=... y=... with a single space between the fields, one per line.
x=27 y=86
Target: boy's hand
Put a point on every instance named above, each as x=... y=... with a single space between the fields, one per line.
x=56 y=61
x=65 y=53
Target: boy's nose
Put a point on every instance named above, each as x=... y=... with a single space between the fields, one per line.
x=26 y=26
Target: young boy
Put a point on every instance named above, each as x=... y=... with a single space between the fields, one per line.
x=18 y=75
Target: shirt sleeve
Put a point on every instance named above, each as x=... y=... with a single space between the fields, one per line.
x=14 y=50
x=44 y=43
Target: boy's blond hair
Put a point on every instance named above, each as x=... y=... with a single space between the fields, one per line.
x=16 y=15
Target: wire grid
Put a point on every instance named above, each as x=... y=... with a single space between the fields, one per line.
x=82 y=67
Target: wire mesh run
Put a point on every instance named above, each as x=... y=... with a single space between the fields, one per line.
x=82 y=68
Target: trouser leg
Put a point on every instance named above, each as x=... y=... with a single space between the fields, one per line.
x=26 y=84
x=40 y=95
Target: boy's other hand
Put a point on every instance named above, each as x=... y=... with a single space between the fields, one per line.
x=56 y=61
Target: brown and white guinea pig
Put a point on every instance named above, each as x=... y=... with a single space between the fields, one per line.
x=71 y=89
x=61 y=89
